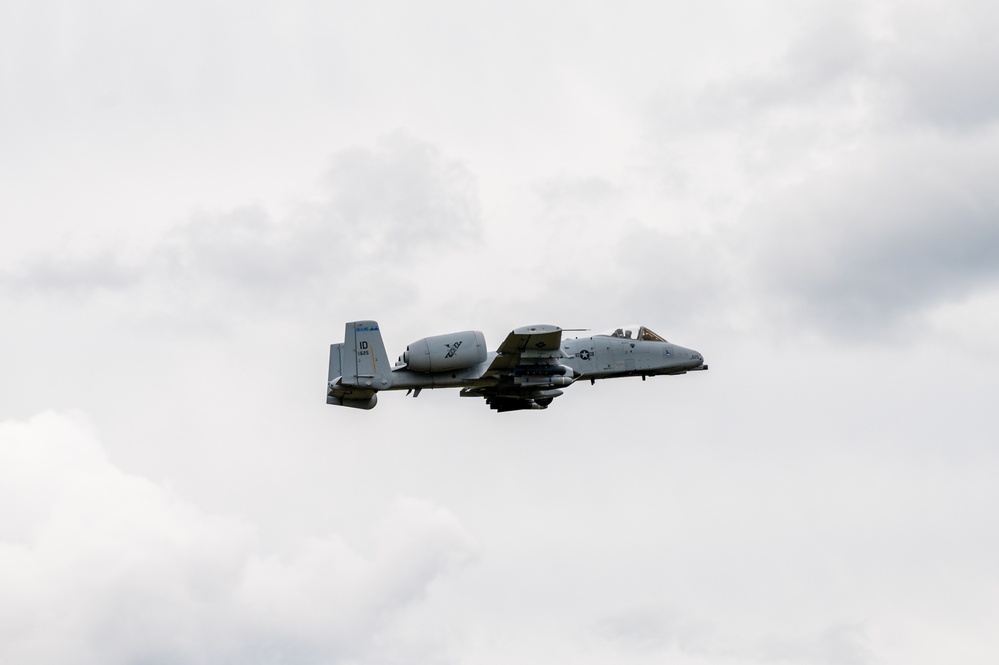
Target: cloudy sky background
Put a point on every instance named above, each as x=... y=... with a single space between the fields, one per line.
x=195 y=197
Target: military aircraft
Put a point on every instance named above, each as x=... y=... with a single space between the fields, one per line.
x=527 y=371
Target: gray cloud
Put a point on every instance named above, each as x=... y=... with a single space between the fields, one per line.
x=870 y=245
x=925 y=65
x=243 y=249
x=564 y=193
x=843 y=198
x=656 y=630
x=939 y=59
x=71 y=273
x=823 y=58
x=671 y=276
x=401 y=198
x=841 y=644
x=380 y=213
x=651 y=629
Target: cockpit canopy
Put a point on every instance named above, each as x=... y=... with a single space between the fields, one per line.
x=633 y=332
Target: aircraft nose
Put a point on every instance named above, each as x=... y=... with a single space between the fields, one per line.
x=696 y=360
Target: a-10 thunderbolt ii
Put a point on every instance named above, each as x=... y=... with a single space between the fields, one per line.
x=527 y=371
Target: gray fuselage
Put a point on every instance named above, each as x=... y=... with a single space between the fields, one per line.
x=597 y=357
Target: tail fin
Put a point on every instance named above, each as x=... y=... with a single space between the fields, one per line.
x=358 y=367
x=363 y=361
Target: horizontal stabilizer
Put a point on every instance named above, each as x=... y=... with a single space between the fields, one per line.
x=368 y=403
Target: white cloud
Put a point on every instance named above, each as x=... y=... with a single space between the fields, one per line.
x=99 y=566
x=721 y=172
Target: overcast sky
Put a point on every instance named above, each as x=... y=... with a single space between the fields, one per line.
x=195 y=197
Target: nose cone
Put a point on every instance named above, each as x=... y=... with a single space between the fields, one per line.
x=691 y=359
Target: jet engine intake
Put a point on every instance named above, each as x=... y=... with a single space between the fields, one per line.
x=444 y=353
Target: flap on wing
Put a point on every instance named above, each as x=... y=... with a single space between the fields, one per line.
x=531 y=343
x=532 y=338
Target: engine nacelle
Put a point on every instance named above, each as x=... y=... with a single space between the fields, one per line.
x=443 y=353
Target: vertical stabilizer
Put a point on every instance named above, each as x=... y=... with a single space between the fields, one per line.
x=363 y=361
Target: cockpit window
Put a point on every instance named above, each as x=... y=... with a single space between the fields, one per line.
x=649 y=336
x=633 y=332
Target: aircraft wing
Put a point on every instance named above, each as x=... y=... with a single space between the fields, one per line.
x=527 y=370
x=530 y=345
